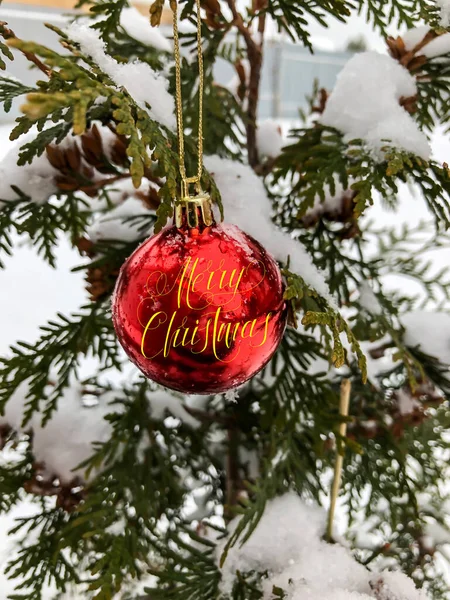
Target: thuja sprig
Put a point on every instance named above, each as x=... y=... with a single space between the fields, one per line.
x=62 y=343
x=319 y=312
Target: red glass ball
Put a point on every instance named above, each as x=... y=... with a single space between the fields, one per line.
x=200 y=310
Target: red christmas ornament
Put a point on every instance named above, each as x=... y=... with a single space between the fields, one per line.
x=199 y=309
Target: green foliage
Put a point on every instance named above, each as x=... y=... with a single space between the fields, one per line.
x=62 y=343
x=409 y=470
x=401 y=12
x=433 y=87
x=190 y=565
x=292 y=17
x=13 y=476
x=4 y=50
x=41 y=223
x=315 y=314
x=42 y=560
x=324 y=160
x=407 y=252
x=11 y=89
x=80 y=88
x=50 y=135
x=106 y=13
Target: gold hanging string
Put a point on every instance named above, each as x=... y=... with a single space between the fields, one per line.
x=346 y=387
x=185 y=180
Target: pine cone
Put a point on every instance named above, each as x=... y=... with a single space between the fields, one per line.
x=5 y=434
x=68 y=495
x=343 y=214
x=78 y=166
x=75 y=174
x=100 y=280
x=213 y=13
x=410 y=59
x=149 y=199
x=94 y=153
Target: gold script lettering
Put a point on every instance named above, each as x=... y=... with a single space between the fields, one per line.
x=210 y=327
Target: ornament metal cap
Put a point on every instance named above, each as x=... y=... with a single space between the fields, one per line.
x=194 y=211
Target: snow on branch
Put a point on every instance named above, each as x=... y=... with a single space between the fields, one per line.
x=139 y=28
x=248 y=206
x=126 y=222
x=424 y=43
x=145 y=86
x=35 y=180
x=66 y=440
x=287 y=544
x=430 y=331
x=269 y=138
x=444 y=5
x=365 y=104
x=78 y=423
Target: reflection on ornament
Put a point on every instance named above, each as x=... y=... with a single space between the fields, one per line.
x=200 y=309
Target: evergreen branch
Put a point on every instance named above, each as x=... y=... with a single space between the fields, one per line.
x=37 y=147
x=292 y=17
x=298 y=290
x=9 y=35
x=111 y=568
x=12 y=479
x=319 y=159
x=4 y=50
x=401 y=12
x=107 y=14
x=407 y=253
x=42 y=223
x=38 y=563
x=190 y=572
x=59 y=348
x=10 y=89
x=7 y=224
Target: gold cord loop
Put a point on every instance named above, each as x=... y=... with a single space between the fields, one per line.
x=196 y=179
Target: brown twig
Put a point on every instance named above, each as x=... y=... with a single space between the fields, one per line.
x=9 y=34
x=233 y=480
x=346 y=387
x=255 y=59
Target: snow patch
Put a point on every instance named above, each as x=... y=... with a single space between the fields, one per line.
x=247 y=205
x=437 y=47
x=414 y=36
x=269 y=138
x=117 y=224
x=365 y=105
x=66 y=440
x=430 y=331
x=142 y=82
x=368 y=300
x=36 y=180
x=139 y=28
x=444 y=5
x=298 y=560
